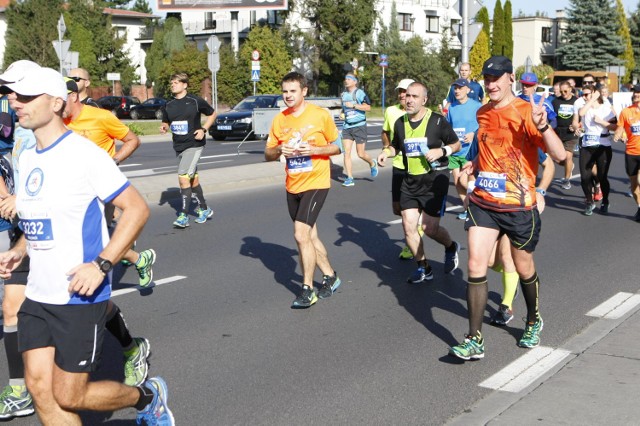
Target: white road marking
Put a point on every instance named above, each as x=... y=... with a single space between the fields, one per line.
x=151 y=172
x=618 y=305
x=129 y=165
x=155 y=284
x=235 y=154
x=526 y=369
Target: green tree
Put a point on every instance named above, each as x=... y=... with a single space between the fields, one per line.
x=508 y=30
x=483 y=17
x=623 y=31
x=275 y=61
x=231 y=88
x=189 y=60
x=498 y=34
x=100 y=49
x=446 y=55
x=589 y=21
x=634 y=30
x=118 y=4
x=142 y=6
x=31 y=27
x=339 y=26
x=541 y=71
x=167 y=38
x=478 y=54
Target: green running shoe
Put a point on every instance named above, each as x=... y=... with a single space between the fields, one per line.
x=143 y=266
x=471 y=348
x=531 y=336
x=15 y=401
x=406 y=254
x=182 y=221
x=136 y=365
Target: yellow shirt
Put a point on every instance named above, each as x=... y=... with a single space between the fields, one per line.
x=99 y=126
x=391 y=114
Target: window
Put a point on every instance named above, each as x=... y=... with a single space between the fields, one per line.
x=404 y=21
x=120 y=32
x=433 y=24
x=209 y=22
x=546 y=34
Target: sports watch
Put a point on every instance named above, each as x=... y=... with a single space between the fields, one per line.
x=105 y=266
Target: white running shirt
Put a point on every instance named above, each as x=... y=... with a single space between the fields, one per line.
x=60 y=204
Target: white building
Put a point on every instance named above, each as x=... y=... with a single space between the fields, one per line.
x=538 y=37
x=128 y=25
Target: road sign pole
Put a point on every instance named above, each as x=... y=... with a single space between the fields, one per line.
x=383 y=90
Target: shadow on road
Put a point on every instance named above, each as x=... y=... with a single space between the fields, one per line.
x=445 y=292
x=278 y=259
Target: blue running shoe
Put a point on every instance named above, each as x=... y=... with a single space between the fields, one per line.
x=182 y=221
x=157 y=413
x=374 y=169
x=329 y=285
x=420 y=275
x=348 y=182
x=471 y=348
x=203 y=215
x=463 y=215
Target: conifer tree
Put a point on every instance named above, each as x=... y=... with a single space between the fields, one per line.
x=634 y=30
x=508 y=30
x=627 y=55
x=591 y=40
x=483 y=18
x=478 y=54
x=498 y=34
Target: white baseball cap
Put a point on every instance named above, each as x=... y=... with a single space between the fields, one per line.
x=40 y=81
x=16 y=70
x=404 y=84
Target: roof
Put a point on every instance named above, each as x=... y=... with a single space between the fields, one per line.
x=123 y=13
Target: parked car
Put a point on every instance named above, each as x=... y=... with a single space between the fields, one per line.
x=238 y=121
x=120 y=106
x=151 y=108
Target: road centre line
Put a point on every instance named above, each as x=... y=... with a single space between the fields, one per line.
x=616 y=306
x=129 y=165
x=525 y=370
x=155 y=284
x=151 y=172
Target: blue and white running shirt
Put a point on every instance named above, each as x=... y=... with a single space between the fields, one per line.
x=61 y=213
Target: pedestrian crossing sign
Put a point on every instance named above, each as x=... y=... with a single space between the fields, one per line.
x=255 y=75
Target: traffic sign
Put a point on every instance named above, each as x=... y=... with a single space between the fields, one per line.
x=255 y=65
x=255 y=55
x=213 y=44
x=383 y=61
x=213 y=60
x=113 y=76
x=255 y=75
x=62 y=27
x=61 y=48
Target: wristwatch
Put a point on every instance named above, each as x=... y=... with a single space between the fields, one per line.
x=105 y=266
x=541 y=191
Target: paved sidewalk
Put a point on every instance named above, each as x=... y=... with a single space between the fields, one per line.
x=597 y=383
x=163 y=187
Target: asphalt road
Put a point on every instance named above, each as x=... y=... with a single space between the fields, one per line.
x=156 y=155
x=233 y=352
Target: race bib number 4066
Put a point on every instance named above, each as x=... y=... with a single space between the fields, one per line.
x=493 y=183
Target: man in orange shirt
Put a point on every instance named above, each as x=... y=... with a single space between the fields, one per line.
x=504 y=199
x=305 y=134
x=629 y=126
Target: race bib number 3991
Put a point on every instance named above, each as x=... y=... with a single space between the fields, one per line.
x=38 y=232
x=415 y=147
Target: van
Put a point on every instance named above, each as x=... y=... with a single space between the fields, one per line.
x=612 y=78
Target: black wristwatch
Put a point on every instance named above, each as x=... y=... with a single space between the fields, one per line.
x=104 y=265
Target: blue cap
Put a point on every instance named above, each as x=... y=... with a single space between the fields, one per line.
x=462 y=82
x=529 y=78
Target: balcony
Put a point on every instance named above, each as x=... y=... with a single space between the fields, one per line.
x=220 y=26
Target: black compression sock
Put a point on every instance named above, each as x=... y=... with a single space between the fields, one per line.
x=14 y=358
x=185 y=193
x=118 y=327
x=197 y=191
x=146 y=396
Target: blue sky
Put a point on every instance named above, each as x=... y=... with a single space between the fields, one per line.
x=549 y=6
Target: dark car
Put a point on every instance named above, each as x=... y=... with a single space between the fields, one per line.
x=120 y=106
x=151 y=108
x=238 y=121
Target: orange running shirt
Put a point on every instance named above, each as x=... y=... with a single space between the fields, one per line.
x=314 y=126
x=507 y=161
x=99 y=126
x=630 y=120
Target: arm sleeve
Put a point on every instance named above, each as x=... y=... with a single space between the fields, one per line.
x=204 y=107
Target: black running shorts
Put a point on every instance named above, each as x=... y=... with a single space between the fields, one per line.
x=632 y=164
x=522 y=227
x=75 y=331
x=305 y=206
